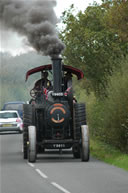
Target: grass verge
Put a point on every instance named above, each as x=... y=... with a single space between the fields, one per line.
x=108 y=154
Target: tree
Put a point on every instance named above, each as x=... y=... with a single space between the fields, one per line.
x=117 y=21
x=91 y=46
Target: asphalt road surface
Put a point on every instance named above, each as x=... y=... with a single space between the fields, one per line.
x=55 y=173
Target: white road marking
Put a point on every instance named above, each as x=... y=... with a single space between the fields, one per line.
x=41 y=173
x=44 y=176
x=30 y=164
x=60 y=187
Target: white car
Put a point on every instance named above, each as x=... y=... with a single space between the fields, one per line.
x=10 y=122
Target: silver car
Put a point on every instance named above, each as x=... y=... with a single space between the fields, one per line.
x=10 y=122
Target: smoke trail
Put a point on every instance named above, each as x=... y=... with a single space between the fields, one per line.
x=34 y=19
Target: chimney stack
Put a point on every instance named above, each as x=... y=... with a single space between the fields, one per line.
x=57 y=74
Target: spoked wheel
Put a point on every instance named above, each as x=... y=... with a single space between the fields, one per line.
x=32 y=144
x=85 y=150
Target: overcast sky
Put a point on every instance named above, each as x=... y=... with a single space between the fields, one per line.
x=80 y=4
x=11 y=42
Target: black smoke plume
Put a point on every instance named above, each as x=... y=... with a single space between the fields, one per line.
x=34 y=19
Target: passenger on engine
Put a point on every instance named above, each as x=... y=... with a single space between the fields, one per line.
x=67 y=80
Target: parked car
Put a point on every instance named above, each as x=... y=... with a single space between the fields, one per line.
x=10 y=122
x=15 y=105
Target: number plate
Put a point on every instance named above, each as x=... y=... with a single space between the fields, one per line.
x=59 y=145
x=6 y=125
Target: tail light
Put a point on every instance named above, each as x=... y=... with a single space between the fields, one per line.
x=18 y=120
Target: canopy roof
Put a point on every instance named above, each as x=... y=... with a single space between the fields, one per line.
x=48 y=67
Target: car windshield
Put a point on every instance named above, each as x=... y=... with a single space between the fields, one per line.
x=8 y=115
x=14 y=107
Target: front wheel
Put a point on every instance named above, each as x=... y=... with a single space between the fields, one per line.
x=28 y=119
x=85 y=150
x=32 y=144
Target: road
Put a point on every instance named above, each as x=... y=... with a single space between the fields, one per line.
x=55 y=173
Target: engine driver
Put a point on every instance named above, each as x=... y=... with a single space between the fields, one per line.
x=43 y=82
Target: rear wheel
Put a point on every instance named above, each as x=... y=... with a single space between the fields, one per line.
x=28 y=119
x=79 y=119
x=32 y=144
x=81 y=132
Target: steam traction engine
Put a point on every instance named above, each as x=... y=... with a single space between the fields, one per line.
x=54 y=120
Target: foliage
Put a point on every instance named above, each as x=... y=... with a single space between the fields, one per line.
x=108 y=154
x=108 y=118
x=116 y=109
x=92 y=46
x=118 y=24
